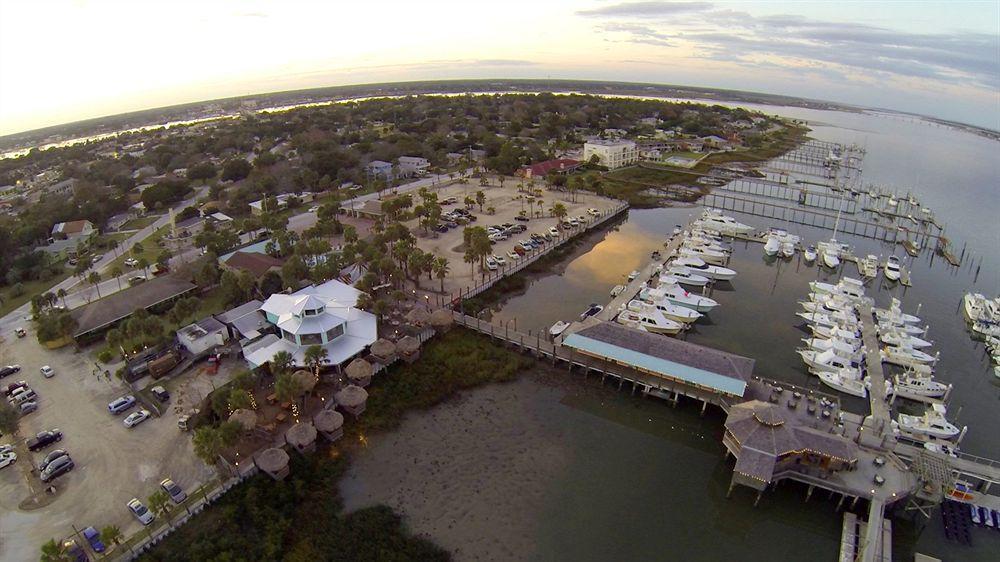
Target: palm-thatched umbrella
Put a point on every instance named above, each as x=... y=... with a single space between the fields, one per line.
x=383 y=351
x=302 y=436
x=418 y=317
x=304 y=380
x=330 y=423
x=246 y=418
x=273 y=461
x=360 y=372
x=352 y=399
x=442 y=319
x=409 y=348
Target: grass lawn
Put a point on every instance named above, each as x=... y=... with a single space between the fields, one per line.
x=31 y=288
x=139 y=223
x=150 y=250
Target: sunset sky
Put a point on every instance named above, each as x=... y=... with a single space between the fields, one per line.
x=63 y=60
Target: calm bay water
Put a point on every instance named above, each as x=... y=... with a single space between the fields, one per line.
x=585 y=473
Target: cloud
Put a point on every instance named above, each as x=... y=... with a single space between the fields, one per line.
x=645 y=9
x=638 y=33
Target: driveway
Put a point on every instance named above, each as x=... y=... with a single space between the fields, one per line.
x=113 y=463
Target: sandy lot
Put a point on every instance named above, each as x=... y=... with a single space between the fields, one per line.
x=113 y=463
x=508 y=203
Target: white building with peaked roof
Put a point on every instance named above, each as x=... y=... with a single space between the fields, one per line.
x=323 y=315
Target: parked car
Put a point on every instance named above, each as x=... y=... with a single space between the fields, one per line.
x=51 y=457
x=28 y=407
x=73 y=551
x=57 y=468
x=593 y=212
x=9 y=370
x=43 y=439
x=160 y=393
x=144 y=515
x=47 y=372
x=522 y=218
x=22 y=395
x=20 y=332
x=121 y=404
x=173 y=490
x=314 y=208
x=499 y=259
x=491 y=264
x=93 y=537
x=8 y=458
x=133 y=281
x=553 y=231
x=14 y=386
x=131 y=262
x=513 y=256
x=135 y=418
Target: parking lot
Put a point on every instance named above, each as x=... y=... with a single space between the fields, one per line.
x=113 y=463
x=508 y=204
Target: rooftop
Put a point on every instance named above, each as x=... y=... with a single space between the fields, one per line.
x=122 y=304
x=256 y=263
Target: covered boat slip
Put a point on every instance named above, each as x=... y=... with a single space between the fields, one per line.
x=682 y=364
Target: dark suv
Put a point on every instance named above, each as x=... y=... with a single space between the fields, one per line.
x=57 y=468
x=44 y=439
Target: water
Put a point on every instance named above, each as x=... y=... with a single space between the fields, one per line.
x=635 y=479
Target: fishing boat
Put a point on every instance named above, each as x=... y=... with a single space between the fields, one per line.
x=897 y=338
x=709 y=256
x=894 y=314
x=827 y=361
x=787 y=249
x=676 y=295
x=773 y=245
x=683 y=275
x=942 y=449
x=617 y=290
x=892 y=269
x=632 y=276
x=932 y=423
x=593 y=310
x=868 y=266
x=829 y=253
x=847 y=287
x=827 y=333
x=987 y=329
x=829 y=321
x=698 y=265
x=844 y=383
x=843 y=348
x=558 y=328
x=647 y=317
x=920 y=386
x=977 y=307
x=906 y=356
x=809 y=254
x=713 y=220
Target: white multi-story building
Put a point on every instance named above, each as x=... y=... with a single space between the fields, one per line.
x=412 y=166
x=611 y=153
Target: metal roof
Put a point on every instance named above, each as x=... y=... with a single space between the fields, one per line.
x=668 y=357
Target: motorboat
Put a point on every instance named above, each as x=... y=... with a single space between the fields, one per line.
x=920 y=386
x=827 y=361
x=617 y=290
x=987 y=329
x=943 y=449
x=787 y=249
x=698 y=265
x=897 y=338
x=892 y=269
x=894 y=314
x=905 y=356
x=810 y=254
x=632 y=276
x=672 y=311
x=868 y=266
x=593 y=310
x=843 y=348
x=829 y=253
x=844 y=383
x=558 y=328
x=828 y=321
x=677 y=230
x=842 y=333
x=701 y=241
x=848 y=287
x=977 y=307
x=705 y=254
x=713 y=220
x=827 y=304
x=649 y=318
x=932 y=423
x=684 y=276
x=773 y=245
x=903 y=328
x=676 y=295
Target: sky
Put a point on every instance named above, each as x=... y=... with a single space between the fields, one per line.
x=66 y=60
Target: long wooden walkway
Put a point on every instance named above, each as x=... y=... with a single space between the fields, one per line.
x=877 y=397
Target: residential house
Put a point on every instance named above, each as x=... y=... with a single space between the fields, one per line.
x=716 y=142
x=611 y=154
x=257 y=207
x=64 y=188
x=73 y=230
x=379 y=169
x=254 y=263
x=412 y=166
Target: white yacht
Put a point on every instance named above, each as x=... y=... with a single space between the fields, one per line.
x=977 y=307
x=945 y=449
x=705 y=254
x=932 y=423
x=558 y=328
x=829 y=320
x=672 y=311
x=892 y=269
x=847 y=287
x=898 y=338
x=843 y=348
x=617 y=290
x=903 y=328
x=699 y=266
x=906 y=356
x=773 y=244
x=810 y=254
x=676 y=295
x=842 y=333
x=843 y=382
x=649 y=318
x=868 y=267
x=713 y=220
x=683 y=275
x=894 y=314
x=986 y=328
x=920 y=386
x=787 y=249
x=827 y=361
x=829 y=253
x=827 y=304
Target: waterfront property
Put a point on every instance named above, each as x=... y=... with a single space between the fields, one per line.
x=611 y=154
x=202 y=336
x=542 y=169
x=323 y=315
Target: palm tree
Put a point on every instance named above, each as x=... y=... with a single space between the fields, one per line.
x=52 y=552
x=480 y=199
x=144 y=264
x=558 y=211
x=61 y=293
x=315 y=356
x=111 y=535
x=159 y=503
x=286 y=388
x=117 y=273
x=281 y=362
x=441 y=270
x=94 y=278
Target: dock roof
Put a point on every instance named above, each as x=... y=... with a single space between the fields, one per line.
x=693 y=364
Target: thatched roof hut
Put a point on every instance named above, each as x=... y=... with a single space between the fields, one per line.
x=360 y=372
x=418 y=317
x=409 y=348
x=330 y=423
x=383 y=351
x=352 y=399
x=305 y=380
x=442 y=319
x=246 y=418
x=302 y=436
x=273 y=461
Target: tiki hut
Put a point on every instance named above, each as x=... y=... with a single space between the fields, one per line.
x=330 y=423
x=359 y=372
x=441 y=320
x=409 y=348
x=302 y=436
x=304 y=380
x=352 y=399
x=383 y=351
x=418 y=317
x=274 y=462
x=246 y=418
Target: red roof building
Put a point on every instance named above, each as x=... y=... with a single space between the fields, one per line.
x=542 y=169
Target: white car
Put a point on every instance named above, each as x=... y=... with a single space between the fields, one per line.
x=491 y=264
x=553 y=231
x=7 y=458
x=592 y=212
x=513 y=256
x=144 y=515
x=47 y=371
x=314 y=208
x=500 y=260
x=131 y=262
x=135 y=418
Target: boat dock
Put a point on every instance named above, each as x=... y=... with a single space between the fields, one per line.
x=855 y=537
x=878 y=400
